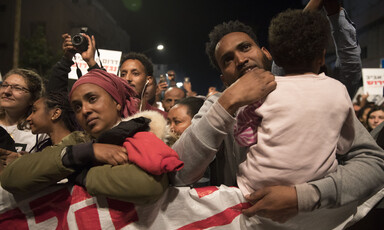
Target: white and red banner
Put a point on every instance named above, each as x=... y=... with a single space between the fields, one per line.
x=65 y=207
x=373 y=83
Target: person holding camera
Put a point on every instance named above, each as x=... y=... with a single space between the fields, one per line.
x=59 y=77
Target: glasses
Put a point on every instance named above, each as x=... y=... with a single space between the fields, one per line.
x=16 y=88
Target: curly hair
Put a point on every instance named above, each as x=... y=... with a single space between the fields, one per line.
x=53 y=100
x=148 y=66
x=220 y=31
x=35 y=89
x=297 y=38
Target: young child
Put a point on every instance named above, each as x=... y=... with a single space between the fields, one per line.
x=295 y=133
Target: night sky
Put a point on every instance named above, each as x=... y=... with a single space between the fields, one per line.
x=183 y=27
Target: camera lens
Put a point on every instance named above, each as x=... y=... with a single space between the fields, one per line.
x=77 y=39
x=80 y=43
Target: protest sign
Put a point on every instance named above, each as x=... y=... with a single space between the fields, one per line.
x=373 y=82
x=109 y=58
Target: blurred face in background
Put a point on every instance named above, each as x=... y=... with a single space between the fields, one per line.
x=178 y=119
x=171 y=97
x=363 y=118
x=375 y=118
x=171 y=75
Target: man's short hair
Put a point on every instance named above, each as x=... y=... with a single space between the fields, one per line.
x=148 y=66
x=220 y=31
x=297 y=38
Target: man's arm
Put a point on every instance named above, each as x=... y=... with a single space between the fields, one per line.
x=360 y=173
x=58 y=79
x=199 y=143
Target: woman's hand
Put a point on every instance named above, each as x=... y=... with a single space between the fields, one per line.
x=110 y=154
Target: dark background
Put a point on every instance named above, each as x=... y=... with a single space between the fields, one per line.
x=183 y=27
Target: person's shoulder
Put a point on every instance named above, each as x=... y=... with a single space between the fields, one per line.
x=214 y=97
x=76 y=137
x=334 y=82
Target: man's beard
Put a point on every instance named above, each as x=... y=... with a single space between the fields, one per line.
x=266 y=63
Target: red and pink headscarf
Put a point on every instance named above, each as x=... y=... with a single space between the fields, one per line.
x=117 y=87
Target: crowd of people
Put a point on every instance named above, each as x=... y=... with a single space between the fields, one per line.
x=282 y=131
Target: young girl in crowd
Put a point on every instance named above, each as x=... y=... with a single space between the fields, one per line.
x=52 y=114
x=296 y=131
x=19 y=90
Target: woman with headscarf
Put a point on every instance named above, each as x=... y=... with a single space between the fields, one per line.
x=100 y=100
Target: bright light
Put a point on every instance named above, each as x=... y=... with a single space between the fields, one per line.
x=179 y=84
x=160 y=47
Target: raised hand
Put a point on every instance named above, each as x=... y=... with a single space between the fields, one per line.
x=161 y=86
x=89 y=55
x=67 y=46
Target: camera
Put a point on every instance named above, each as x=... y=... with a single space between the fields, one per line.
x=80 y=42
